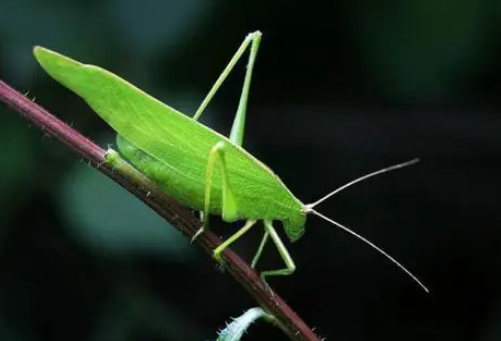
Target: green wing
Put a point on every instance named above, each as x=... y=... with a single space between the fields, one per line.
x=168 y=146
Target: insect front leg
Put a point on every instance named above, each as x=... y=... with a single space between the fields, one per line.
x=260 y=249
x=282 y=250
x=229 y=204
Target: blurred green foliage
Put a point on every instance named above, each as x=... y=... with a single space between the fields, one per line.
x=421 y=50
x=108 y=219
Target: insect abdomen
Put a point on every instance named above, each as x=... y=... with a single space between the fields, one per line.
x=255 y=200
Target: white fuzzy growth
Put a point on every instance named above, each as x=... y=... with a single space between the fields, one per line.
x=235 y=330
x=112 y=157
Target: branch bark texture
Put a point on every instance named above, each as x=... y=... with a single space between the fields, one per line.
x=177 y=215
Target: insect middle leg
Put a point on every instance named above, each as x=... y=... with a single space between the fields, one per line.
x=237 y=130
x=229 y=204
x=232 y=239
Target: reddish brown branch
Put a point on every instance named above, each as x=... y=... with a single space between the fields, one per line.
x=170 y=210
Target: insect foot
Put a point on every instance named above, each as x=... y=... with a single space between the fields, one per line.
x=266 y=285
x=217 y=256
x=196 y=235
x=220 y=261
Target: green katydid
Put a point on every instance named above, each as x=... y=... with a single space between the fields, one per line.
x=194 y=164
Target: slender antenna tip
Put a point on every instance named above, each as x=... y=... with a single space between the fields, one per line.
x=362 y=178
x=371 y=244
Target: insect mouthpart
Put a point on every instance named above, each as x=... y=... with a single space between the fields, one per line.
x=306 y=209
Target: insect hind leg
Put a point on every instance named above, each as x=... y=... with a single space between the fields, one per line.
x=237 y=130
x=229 y=204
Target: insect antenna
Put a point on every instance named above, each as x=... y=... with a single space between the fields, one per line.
x=362 y=178
x=310 y=209
x=374 y=246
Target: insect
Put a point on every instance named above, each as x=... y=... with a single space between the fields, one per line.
x=194 y=164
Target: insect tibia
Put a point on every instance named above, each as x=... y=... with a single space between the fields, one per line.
x=254 y=34
x=371 y=244
x=362 y=178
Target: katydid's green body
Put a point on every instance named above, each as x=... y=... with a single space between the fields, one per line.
x=194 y=164
x=191 y=162
x=261 y=194
x=177 y=161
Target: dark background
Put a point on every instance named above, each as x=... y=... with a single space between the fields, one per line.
x=341 y=88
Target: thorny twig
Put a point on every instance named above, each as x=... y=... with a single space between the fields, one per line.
x=177 y=215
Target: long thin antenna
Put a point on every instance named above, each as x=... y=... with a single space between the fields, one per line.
x=362 y=178
x=368 y=242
